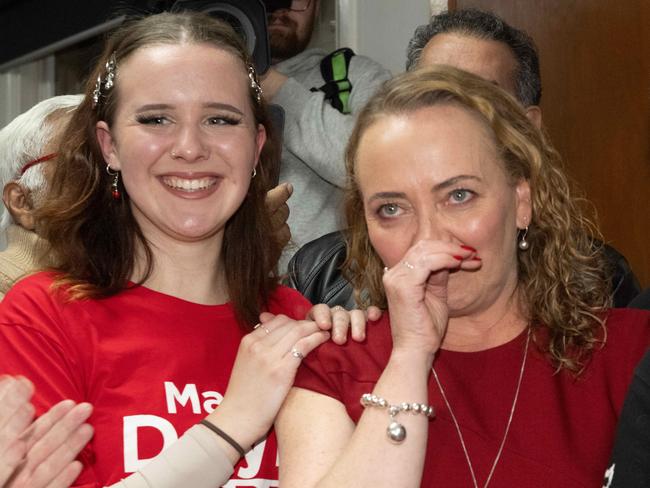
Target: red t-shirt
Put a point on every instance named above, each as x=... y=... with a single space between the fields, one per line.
x=152 y=365
x=562 y=430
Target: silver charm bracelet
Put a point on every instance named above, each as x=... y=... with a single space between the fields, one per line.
x=395 y=431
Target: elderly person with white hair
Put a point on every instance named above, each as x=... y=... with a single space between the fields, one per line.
x=28 y=147
x=35 y=453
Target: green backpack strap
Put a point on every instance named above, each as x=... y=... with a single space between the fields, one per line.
x=337 y=87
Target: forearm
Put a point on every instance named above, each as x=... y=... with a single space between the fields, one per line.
x=320 y=446
x=197 y=459
x=371 y=458
x=238 y=426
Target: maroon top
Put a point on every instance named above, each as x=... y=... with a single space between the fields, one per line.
x=562 y=430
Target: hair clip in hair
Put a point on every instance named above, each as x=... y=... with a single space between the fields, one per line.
x=101 y=86
x=110 y=72
x=97 y=91
x=252 y=75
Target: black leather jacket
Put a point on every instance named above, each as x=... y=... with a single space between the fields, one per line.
x=642 y=300
x=315 y=271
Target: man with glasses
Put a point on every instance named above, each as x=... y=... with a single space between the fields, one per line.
x=315 y=132
x=28 y=146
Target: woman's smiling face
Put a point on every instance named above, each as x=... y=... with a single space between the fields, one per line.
x=435 y=174
x=184 y=138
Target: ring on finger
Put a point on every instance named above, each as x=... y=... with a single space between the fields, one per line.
x=263 y=327
x=408 y=265
x=337 y=308
x=297 y=354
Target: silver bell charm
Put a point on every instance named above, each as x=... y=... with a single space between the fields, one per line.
x=396 y=432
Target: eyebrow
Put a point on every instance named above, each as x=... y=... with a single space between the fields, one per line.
x=454 y=181
x=213 y=105
x=387 y=195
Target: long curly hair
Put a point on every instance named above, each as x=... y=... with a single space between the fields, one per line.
x=96 y=239
x=562 y=277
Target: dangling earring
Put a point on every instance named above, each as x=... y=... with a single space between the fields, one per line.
x=254 y=173
x=523 y=244
x=115 y=190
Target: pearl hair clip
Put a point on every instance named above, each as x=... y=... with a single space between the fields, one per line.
x=102 y=86
x=252 y=76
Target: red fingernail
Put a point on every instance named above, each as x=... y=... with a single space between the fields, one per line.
x=476 y=258
x=460 y=258
x=468 y=248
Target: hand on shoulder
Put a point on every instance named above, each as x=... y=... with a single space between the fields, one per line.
x=340 y=321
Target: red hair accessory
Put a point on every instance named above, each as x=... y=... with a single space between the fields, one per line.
x=34 y=162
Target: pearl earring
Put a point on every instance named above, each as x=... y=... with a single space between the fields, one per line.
x=523 y=243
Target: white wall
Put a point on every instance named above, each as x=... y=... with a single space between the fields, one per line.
x=381 y=29
x=324 y=35
x=25 y=85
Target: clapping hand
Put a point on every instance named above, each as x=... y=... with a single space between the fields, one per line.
x=40 y=453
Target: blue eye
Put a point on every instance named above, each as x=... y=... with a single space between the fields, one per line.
x=388 y=210
x=461 y=195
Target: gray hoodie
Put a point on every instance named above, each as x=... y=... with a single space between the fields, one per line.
x=315 y=136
